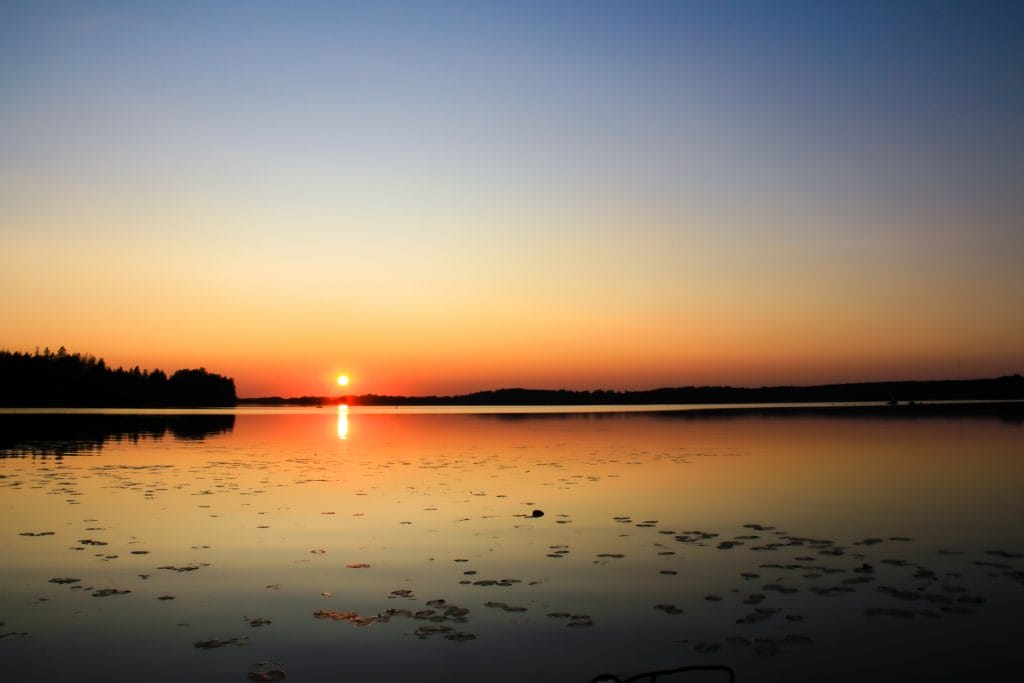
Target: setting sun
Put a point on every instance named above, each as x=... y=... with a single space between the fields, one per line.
x=343 y=380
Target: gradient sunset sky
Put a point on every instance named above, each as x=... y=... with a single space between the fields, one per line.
x=441 y=197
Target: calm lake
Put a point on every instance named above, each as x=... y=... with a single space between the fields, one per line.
x=359 y=544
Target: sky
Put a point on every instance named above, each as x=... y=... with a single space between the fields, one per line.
x=444 y=197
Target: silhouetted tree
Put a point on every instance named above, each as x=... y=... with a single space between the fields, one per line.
x=76 y=380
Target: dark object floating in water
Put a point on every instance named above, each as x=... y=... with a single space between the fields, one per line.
x=213 y=643
x=186 y=568
x=495 y=582
x=140 y=552
x=448 y=632
x=350 y=617
x=993 y=565
x=104 y=592
x=759 y=614
x=869 y=541
x=267 y=671
x=537 y=513
x=64 y=579
x=972 y=600
x=357 y=565
x=89 y=541
x=21 y=634
x=668 y=609
x=896 y=562
x=653 y=675
x=166 y=597
x=37 y=533
x=503 y=606
x=577 y=620
x=257 y=622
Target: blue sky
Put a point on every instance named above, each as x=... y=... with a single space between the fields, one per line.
x=747 y=169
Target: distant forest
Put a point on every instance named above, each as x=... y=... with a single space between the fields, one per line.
x=62 y=379
x=997 y=389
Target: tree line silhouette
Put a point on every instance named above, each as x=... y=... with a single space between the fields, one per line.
x=1010 y=387
x=52 y=379
x=1007 y=388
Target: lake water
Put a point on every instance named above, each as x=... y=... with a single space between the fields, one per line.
x=191 y=546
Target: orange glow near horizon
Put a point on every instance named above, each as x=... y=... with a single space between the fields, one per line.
x=446 y=370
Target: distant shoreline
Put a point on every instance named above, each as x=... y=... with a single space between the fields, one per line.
x=890 y=394
x=1004 y=410
x=74 y=380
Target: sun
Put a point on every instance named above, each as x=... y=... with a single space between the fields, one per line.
x=343 y=380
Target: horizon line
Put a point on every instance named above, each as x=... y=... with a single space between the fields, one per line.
x=947 y=380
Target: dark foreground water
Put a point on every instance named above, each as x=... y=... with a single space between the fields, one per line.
x=390 y=545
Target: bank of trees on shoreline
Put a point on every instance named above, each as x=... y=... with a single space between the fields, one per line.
x=1008 y=388
x=62 y=379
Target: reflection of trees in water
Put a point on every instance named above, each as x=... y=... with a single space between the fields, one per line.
x=24 y=435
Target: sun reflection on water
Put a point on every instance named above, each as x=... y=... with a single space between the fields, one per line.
x=343 y=421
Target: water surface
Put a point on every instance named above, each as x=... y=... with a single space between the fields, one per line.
x=787 y=546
